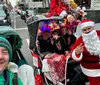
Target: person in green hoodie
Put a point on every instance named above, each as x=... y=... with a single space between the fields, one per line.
x=6 y=76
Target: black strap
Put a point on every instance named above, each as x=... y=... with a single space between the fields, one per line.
x=15 y=79
x=7 y=77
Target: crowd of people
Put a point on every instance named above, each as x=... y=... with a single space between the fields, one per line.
x=57 y=40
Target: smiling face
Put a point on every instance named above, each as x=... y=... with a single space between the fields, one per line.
x=4 y=59
x=87 y=30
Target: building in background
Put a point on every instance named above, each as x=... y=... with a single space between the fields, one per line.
x=33 y=4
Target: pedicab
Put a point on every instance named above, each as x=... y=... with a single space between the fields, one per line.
x=76 y=77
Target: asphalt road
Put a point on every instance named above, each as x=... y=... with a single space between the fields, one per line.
x=17 y=22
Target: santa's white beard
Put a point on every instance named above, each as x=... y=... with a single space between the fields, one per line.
x=92 y=43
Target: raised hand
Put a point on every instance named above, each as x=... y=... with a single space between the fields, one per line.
x=79 y=49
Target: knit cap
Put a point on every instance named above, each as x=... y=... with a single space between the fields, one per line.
x=5 y=43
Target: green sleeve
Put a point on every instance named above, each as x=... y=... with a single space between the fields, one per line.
x=11 y=77
x=20 y=82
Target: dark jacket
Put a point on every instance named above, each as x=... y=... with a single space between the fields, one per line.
x=64 y=46
x=45 y=45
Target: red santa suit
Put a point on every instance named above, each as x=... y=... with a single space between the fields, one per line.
x=90 y=57
x=59 y=8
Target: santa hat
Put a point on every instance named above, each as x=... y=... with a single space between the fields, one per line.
x=86 y=23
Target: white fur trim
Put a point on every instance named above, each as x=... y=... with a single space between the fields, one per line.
x=91 y=72
x=86 y=24
x=74 y=56
x=48 y=76
x=45 y=67
x=12 y=67
x=63 y=13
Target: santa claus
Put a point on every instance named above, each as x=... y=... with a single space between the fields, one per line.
x=86 y=49
x=61 y=7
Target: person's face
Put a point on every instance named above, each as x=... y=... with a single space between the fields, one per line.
x=70 y=18
x=4 y=59
x=55 y=35
x=63 y=31
x=87 y=30
x=46 y=35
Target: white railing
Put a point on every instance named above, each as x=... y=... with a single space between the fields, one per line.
x=95 y=4
x=35 y=4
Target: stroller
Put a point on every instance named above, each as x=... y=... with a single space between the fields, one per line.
x=73 y=71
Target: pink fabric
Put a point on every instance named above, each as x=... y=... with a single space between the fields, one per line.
x=57 y=67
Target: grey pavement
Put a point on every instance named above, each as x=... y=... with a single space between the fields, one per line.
x=20 y=23
x=16 y=21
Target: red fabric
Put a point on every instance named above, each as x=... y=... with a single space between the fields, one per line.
x=39 y=62
x=94 y=80
x=57 y=67
x=56 y=7
x=85 y=21
x=86 y=55
x=77 y=55
x=38 y=80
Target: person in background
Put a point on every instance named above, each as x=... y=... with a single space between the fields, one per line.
x=66 y=35
x=26 y=14
x=62 y=8
x=59 y=46
x=86 y=49
x=45 y=42
x=6 y=76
